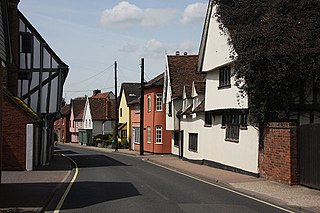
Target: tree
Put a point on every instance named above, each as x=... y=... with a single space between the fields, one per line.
x=278 y=51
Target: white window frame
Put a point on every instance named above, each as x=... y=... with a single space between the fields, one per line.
x=148 y=134
x=149 y=103
x=158 y=133
x=159 y=102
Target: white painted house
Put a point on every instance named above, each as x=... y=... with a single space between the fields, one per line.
x=180 y=72
x=221 y=134
x=98 y=118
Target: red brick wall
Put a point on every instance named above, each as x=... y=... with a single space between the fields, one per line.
x=14 y=136
x=278 y=160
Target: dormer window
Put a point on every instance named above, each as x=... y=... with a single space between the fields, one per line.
x=225 y=77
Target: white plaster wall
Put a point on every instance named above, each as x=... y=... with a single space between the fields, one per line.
x=213 y=147
x=222 y=98
x=87 y=117
x=217 y=52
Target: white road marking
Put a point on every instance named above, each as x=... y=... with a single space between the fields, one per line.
x=221 y=187
x=58 y=208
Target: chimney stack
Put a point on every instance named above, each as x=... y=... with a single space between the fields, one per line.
x=95 y=92
x=177 y=52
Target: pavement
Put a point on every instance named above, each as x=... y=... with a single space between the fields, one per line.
x=22 y=191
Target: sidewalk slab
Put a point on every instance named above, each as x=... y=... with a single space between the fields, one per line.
x=31 y=191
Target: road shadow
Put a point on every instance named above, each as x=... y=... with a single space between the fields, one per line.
x=57 y=163
x=21 y=197
x=85 y=194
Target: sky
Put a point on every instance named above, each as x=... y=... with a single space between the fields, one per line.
x=89 y=36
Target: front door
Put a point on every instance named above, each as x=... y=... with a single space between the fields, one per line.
x=181 y=144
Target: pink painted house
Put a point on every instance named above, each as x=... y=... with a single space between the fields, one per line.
x=76 y=114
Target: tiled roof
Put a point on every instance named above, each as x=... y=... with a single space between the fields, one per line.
x=65 y=110
x=182 y=71
x=188 y=110
x=103 y=95
x=78 y=108
x=132 y=91
x=200 y=87
x=134 y=101
x=19 y=103
x=98 y=108
x=102 y=108
x=157 y=81
x=200 y=107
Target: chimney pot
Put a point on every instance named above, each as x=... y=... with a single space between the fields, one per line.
x=177 y=52
x=185 y=53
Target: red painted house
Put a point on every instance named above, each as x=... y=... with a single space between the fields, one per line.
x=156 y=138
x=62 y=125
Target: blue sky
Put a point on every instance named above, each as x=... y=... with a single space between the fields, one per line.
x=90 y=35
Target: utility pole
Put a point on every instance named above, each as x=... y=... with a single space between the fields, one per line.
x=142 y=107
x=117 y=110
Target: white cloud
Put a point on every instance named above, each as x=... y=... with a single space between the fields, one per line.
x=194 y=13
x=125 y=14
x=154 y=49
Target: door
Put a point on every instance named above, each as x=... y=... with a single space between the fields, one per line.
x=309 y=140
x=181 y=145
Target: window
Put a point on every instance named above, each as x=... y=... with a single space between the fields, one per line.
x=63 y=135
x=148 y=134
x=193 y=142
x=137 y=109
x=123 y=134
x=136 y=134
x=158 y=135
x=225 y=77
x=170 y=109
x=159 y=102
x=176 y=138
x=233 y=123
x=26 y=42
x=208 y=119
x=86 y=123
x=120 y=112
x=149 y=103
x=90 y=123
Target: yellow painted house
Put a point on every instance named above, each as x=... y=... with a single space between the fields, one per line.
x=129 y=92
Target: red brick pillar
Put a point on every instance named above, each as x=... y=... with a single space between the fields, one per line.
x=278 y=160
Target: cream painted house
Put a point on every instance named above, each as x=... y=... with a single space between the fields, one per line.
x=220 y=135
x=129 y=92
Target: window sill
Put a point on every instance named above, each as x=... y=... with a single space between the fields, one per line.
x=193 y=151
x=243 y=128
x=224 y=87
x=232 y=140
x=223 y=127
x=208 y=125
x=158 y=143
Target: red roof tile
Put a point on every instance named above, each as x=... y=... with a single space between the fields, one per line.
x=182 y=71
x=78 y=108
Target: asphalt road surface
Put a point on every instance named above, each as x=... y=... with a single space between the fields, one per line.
x=119 y=183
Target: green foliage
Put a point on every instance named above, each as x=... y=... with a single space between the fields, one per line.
x=278 y=51
x=102 y=140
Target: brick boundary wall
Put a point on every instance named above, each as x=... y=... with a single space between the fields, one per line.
x=14 y=136
x=278 y=160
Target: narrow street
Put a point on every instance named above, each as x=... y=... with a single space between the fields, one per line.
x=120 y=183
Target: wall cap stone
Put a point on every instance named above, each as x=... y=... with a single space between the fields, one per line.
x=281 y=125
